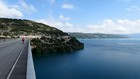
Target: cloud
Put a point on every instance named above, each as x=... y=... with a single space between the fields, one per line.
x=68 y=6
x=61 y=23
x=52 y=22
x=15 y=10
x=64 y=26
x=61 y=17
x=7 y=11
x=133 y=8
x=51 y=2
x=120 y=26
x=26 y=7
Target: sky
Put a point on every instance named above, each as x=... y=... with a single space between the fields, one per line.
x=87 y=16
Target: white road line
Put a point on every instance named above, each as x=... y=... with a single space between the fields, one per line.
x=15 y=63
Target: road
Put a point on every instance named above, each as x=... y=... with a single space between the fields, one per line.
x=10 y=54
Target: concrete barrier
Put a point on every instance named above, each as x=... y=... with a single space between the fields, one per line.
x=30 y=65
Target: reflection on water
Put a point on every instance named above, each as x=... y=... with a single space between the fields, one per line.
x=101 y=59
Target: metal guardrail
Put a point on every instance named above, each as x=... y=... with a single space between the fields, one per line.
x=30 y=65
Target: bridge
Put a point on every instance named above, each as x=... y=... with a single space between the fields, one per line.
x=16 y=60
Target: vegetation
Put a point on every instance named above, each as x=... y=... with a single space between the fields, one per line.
x=52 y=40
x=10 y=27
x=96 y=35
x=56 y=45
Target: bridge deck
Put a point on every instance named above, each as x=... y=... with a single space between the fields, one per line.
x=20 y=70
x=13 y=60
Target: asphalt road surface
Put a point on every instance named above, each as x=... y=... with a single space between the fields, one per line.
x=10 y=52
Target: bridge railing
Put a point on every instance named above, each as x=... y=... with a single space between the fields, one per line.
x=30 y=65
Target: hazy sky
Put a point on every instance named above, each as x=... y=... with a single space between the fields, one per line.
x=90 y=16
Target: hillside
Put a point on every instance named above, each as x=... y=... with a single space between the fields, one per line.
x=17 y=27
x=52 y=40
x=96 y=35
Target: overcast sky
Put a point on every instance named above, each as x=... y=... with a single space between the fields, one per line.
x=89 y=16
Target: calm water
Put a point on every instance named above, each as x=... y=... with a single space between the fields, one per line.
x=101 y=59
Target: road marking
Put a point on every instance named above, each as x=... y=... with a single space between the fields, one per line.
x=15 y=63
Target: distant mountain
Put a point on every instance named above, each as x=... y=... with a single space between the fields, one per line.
x=97 y=35
x=51 y=40
x=135 y=35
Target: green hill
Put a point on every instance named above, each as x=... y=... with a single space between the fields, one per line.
x=52 y=40
x=96 y=35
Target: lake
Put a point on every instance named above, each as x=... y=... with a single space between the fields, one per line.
x=100 y=59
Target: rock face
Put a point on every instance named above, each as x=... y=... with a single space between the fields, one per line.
x=48 y=39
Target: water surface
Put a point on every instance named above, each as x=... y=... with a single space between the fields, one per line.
x=101 y=59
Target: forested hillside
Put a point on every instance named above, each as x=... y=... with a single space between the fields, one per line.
x=52 y=40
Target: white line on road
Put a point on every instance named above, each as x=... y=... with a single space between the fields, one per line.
x=15 y=63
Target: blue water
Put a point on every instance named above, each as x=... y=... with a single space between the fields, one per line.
x=101 y=59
